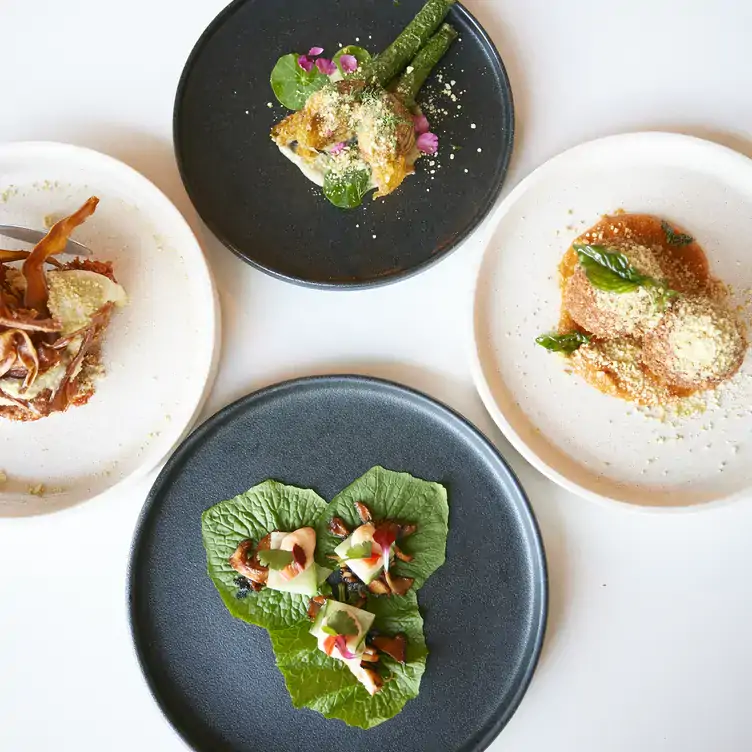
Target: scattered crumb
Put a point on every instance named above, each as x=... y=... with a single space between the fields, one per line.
x=269 y=105
x=3 y=477
x=473 y=126
x=36 y=490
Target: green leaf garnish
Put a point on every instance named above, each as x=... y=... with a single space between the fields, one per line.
x=347 y=191
x=251 y=515
x=400 y=497
x=608 y=270
x=292 y=85
x=361 y=551
x=675 y=238
x=326 y=685
x=274 y=558
x=341 y=623
x=566 y=343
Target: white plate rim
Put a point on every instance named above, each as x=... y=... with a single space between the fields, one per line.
x=637 y=138
x=73 y=152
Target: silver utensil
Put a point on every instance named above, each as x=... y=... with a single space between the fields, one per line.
x=34 y=236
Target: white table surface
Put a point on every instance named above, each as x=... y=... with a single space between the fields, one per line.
x=648 y=642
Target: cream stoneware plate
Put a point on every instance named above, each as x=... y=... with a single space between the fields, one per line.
x=598 y=446
x=159 y=352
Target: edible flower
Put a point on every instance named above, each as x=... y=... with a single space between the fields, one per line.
x=349 y=63
x=341 y=642
x=421 y=124
x=305 y=63
x=428 y=143
x=385 y=536
x=315 y=51
x=326 y=66
x=337 y=148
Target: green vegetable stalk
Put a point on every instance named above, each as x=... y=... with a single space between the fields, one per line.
x=423 y=63
x=386 y=65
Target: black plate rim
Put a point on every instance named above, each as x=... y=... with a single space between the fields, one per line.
x=507 y=146
x=488 y=733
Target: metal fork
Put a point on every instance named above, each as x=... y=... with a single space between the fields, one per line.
x=26 y=235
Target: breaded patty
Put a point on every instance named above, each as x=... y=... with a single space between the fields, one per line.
x=697 y=345
x=610 y=314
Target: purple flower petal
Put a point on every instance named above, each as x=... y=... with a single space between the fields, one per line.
x=428 y=143
x=315 y=51
x=337 y=148
x=326 y=66
x=305 y=63
x=349 y=63
x=421 y=124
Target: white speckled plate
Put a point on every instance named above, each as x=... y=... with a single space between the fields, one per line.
x=159 y=352
x=592 y=444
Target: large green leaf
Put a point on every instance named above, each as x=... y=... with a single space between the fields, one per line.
x=401 y=498
x=326 y=685
x=262 y=509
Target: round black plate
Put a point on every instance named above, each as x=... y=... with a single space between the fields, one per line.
x=261 y=207
x=485 y=609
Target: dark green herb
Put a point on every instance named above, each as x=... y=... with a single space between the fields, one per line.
x=292 y=85
x=347 y=191
x=341 y=592
x=565 y=343
x=675 y=238
x=340 y=623
x=274 y=558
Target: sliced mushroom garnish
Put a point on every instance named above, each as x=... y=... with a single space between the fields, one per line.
x=398 y=585
x=363 y=512
x=406 y=530
x=337 y=527
x=17 y=350
x=379 y=587
x=315 y=605
x=369 y=656
x=400 y=554
x=244 y=562
x=395 y=647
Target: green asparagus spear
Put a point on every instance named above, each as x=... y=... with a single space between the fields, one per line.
x=423 y=63
x=387 y=64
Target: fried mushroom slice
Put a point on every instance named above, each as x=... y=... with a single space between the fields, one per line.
x=363 y=512
x=371 y=679
x=244 y=561
x=395 y=647
x=336 y=526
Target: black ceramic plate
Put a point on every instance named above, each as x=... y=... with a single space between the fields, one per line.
x=261 y=207
x=485 y=609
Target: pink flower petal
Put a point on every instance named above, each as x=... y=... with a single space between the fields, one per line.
x=305 y=63
x=349 y=63
x=337 y=148
x=428 y=143
x=326 y=66
x=315 y=51
x=421 y=124
x=341 y=643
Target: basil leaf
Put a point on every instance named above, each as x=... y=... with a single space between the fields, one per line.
x=347 y=191
x=566 y=343
x=608 y=270
x=361 y=55
x=292 y=85
x=361 y=551
x=341 y=623
x=274 y=558
x=675 y=238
